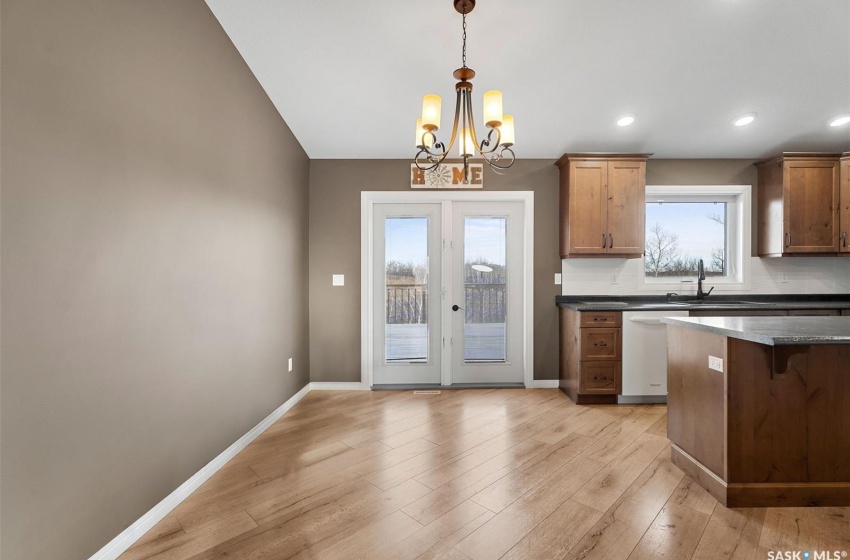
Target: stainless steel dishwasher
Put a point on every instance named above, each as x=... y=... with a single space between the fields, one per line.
x=645 y=356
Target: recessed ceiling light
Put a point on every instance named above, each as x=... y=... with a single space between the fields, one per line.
x=840 y=121
x=625 y=120
x=744 y=120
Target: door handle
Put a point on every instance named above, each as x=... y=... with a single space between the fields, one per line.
x=456 y=307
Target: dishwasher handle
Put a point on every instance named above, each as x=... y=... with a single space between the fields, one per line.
x=646 y=320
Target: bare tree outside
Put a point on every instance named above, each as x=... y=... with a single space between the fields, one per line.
x=667 y=255
x=718 y=254
x=662 y=250
x=718 y=261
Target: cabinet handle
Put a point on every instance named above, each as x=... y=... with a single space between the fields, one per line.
x=844 y=239
x=603 y=343
x=610 y=240
x=604 y=241
x=598 y=319
x=599 y=378
x=788 y=239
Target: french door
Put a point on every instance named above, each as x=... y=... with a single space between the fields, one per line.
x=407 y=294
x=448 y=286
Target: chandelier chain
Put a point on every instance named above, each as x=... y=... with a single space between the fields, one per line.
x=464 y=38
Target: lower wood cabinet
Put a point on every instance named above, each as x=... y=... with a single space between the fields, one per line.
x=590 y=369
x=813 y=312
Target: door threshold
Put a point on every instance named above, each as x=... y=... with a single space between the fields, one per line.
x=434 y=386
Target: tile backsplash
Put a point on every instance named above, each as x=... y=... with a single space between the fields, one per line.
x=804 y=275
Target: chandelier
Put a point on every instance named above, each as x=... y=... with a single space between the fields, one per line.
x=495 y=148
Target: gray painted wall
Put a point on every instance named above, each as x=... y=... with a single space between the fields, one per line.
x=154 y=262
x=335 y=187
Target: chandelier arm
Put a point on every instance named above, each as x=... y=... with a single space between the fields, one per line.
x=486 y=142
x=428 y=163
x=433 y=158
x=454 y=125
x=502 y=160
x=471 y=124
x=489 y=140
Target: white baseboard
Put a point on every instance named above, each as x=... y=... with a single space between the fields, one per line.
x=545 y=384
x=332 y=386
x=134 y=532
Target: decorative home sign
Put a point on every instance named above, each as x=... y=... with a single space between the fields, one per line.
x=447 y=176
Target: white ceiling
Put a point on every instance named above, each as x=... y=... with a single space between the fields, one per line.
x=348 y=77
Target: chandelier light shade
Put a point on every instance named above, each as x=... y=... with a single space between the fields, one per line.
x=495 y=148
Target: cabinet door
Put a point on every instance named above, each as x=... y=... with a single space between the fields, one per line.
x=587 y=199
x=810 y=190
x=626 y=207
x=844 y=200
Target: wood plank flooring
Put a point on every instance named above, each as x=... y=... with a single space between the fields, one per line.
x=472 y=474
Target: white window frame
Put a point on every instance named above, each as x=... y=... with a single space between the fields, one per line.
x=738 y=236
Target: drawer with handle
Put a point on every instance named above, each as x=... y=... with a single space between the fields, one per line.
x=600 y=378
x=600 y=344
x=601 y=319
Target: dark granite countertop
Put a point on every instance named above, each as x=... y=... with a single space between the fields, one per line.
x=773 y=331
x=762 y=302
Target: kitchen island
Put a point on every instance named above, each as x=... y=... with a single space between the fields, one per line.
x=759 y=408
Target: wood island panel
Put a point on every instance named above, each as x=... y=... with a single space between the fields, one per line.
x=772 y=430
x=696 y=402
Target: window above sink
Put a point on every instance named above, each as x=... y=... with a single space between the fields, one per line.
x=687 y=223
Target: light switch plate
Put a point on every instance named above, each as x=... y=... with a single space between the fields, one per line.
x=715 y=363
x=339 y=279
x=557 y=278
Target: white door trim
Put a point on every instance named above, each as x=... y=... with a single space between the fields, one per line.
x=367 y=201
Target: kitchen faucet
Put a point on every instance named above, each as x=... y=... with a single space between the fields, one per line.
x=700 y=278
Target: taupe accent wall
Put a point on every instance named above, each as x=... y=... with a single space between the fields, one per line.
x=154 y=262
x=335 y=187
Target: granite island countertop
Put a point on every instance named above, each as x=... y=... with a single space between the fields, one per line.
x=772 y=331
x=762 y=302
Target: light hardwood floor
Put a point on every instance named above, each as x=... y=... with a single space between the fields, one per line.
x=515 y=474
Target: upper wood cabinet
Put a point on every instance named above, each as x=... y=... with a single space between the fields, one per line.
x=844 y=199
x=798 y=204
x=602 y=204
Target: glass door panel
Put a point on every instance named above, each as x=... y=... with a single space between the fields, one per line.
x=407 y=288
x=485 y=288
